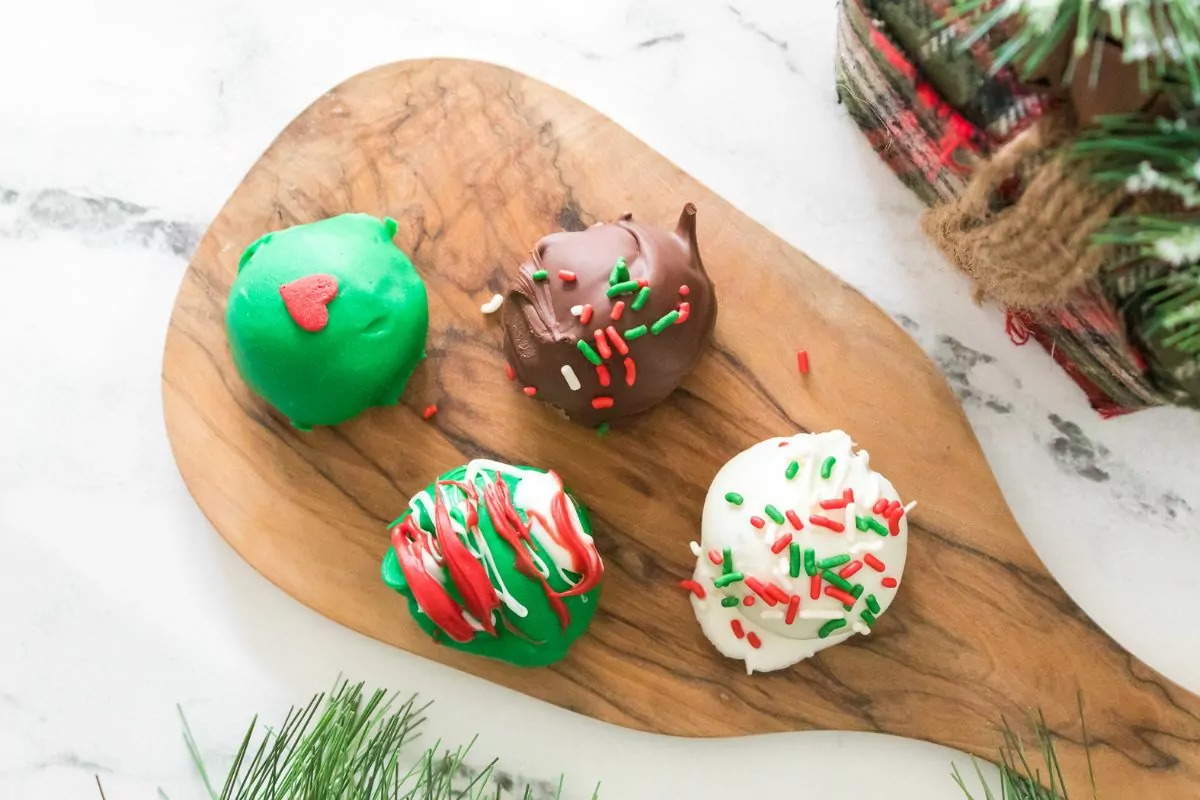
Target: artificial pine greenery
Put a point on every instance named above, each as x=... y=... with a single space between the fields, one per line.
x=347 y=747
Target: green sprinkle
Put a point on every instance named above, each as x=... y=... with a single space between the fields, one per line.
x=641 y=300
x=861 y=523
x=725 y=580
x=827 y=467
x=810 y=562
x=540 y=275
x=791 y=470
x=868 y=618
x=664 y=322
x=857 y=591
x=636 y=333
x=876 y=526
x=794 y=560
x=602 y=429
x=729 y=602
x=726 y=561
x=625 y=287
x=774 y=514
x=588 y=353
x=833 y=561
x=830 y=627
x=872 y=604
x=620 y=272
x=837 y=580
x=735 y=498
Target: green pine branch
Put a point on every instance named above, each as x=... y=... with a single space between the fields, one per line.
x=347 y=746
x=1161 y=36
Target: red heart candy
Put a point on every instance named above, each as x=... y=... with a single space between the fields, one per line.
x=306 y=298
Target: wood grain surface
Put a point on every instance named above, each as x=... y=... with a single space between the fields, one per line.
x=476 y=163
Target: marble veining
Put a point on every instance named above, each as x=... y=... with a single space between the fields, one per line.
x=115 y=155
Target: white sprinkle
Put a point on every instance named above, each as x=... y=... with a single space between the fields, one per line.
x=908 y=508
x=493 y=305
x=858 y=627
x=868 y=545
x=572 y=378
x=576 y=310
x=695 y=546
x=816 y=613
x=772 y=613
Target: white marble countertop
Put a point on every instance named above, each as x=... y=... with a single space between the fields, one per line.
x=125 y=124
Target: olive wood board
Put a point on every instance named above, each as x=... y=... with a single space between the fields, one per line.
x=476 y=163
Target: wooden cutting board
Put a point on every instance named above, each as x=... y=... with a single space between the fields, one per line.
x=477 y=162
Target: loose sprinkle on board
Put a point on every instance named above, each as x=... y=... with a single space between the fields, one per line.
x=530 y=390
x=429 y=411
x=791 y=470
x=693 y=587
x=830 y=627
x=571 y=378
x=540 y=275
x=509 y=372
x=802 y=361
x=827 y=467
x=734 y=498
x=642 y=298
x=493 y=305
x=664 y=322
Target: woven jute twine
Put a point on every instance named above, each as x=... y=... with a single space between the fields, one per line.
x=1022 y=227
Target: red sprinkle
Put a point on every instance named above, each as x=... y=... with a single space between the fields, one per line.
x=781 y=543
x=757 y=587
x=838 y=594
x=642 y=283
x=894 y=525
x=753 y=639
x=825 y=522
x=829 y=505
x=630 y=371
x=685 y=308
x=757 y=522
x=617 y=341
x=793 y=607
x=794 y=518
x=693 y=587
x=850 y=569
x=814 y=587
x=894 y=509
x=736 y=624
x=715 y=557
x=880 y=506
x=874 y=563
x=566 y=275
x=748 y=600
x=890 y=583
x=802 y=361
x=602 y=402
x=509 y=373
x=778 y=594
x=429 y=411
x=530 y=390
x=684 y=290
x=617 y=310
x=602 y=374
x=848 y=495
x=585 y=316
x=602 y=344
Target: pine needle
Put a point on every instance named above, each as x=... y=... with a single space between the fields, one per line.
x=346 y=746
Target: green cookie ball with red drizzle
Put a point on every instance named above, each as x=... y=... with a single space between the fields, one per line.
x=327 y=319
x=498 y=561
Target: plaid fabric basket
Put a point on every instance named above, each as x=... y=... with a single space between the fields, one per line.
x=933 y=111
